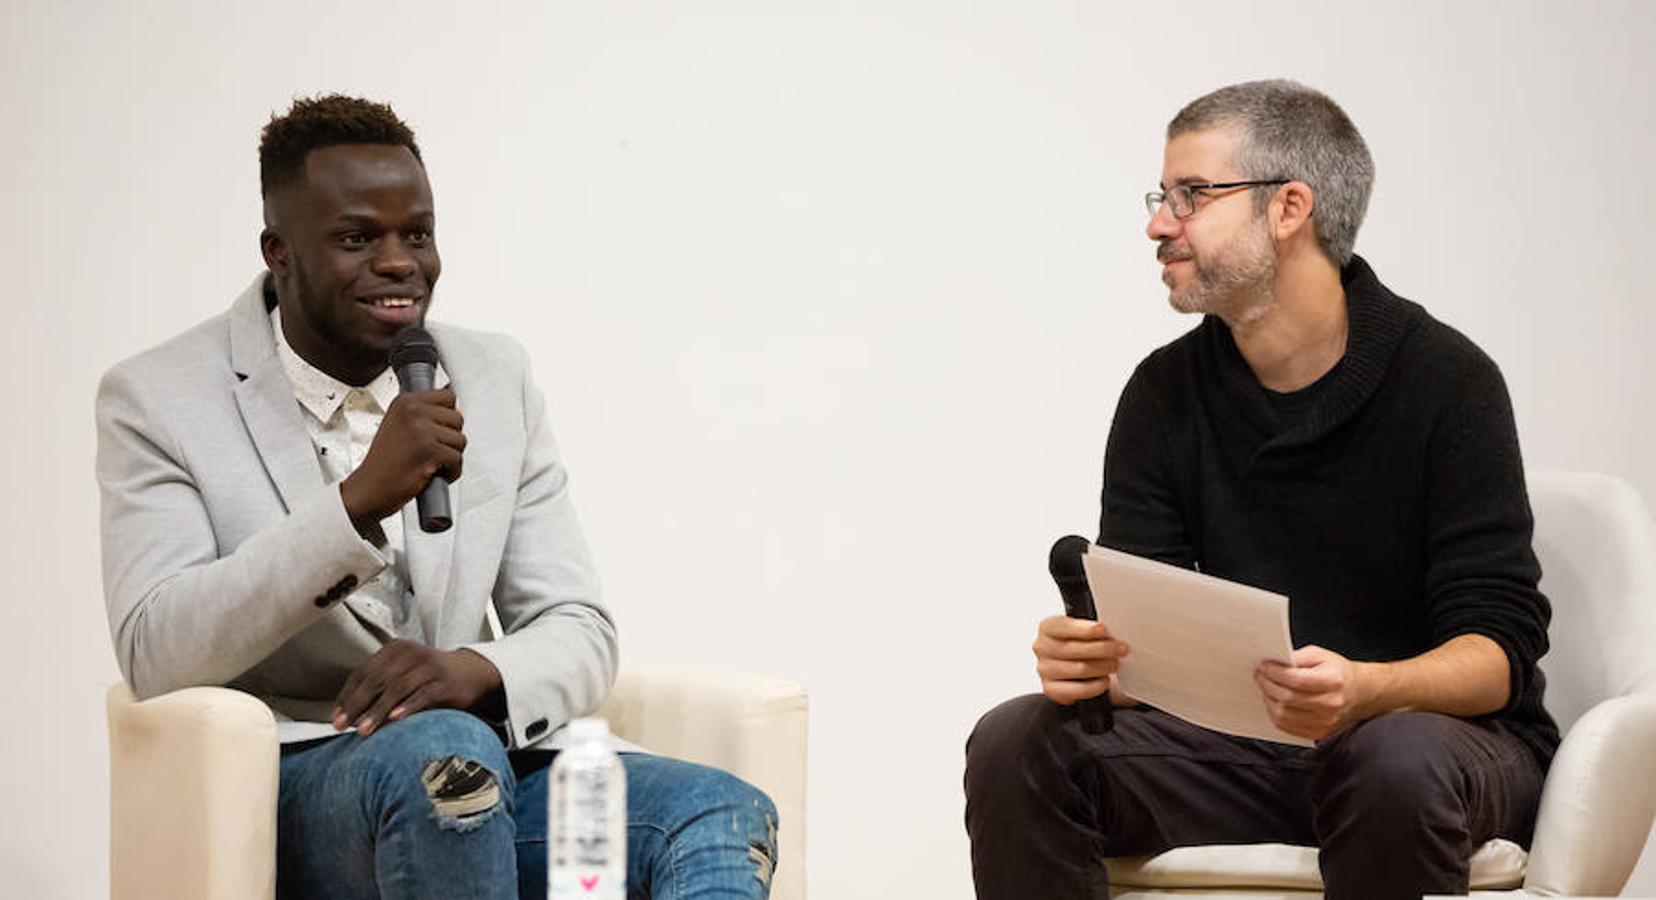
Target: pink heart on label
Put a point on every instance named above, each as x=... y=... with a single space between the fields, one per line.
x=588 y=884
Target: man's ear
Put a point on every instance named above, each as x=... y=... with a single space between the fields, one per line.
x=1292 y=207
x=275 y=251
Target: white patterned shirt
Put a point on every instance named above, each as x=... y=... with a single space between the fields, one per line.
x=342 y=421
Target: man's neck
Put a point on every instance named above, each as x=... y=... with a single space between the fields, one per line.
x=1303 y=333
x=303 y=342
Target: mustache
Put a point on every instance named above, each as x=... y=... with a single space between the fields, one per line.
x=1169 y=252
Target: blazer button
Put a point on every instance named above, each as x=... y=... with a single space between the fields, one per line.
x=535 y=729
x=348 y=582
x=321 y=600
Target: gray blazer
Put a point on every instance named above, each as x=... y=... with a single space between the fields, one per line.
x=228 y=561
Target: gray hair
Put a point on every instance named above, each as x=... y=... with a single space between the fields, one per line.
x=1287 y=130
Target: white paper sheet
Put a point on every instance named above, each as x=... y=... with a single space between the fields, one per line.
x=1195 y=640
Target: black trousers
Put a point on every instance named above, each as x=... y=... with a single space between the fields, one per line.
x=1396 y=805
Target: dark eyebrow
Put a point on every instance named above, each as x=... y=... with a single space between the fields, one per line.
x=1188 y=179
x=355 y=219
x=425 y=217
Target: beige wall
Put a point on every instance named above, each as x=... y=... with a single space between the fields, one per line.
x=832 y=302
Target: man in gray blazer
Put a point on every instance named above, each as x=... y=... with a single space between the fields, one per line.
x=256 y=473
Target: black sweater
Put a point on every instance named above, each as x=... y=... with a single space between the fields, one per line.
x=1392 y=513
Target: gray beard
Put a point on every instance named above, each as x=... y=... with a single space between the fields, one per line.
x=1239 y=291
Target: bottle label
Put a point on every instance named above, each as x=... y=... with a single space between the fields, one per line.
x=588 y=851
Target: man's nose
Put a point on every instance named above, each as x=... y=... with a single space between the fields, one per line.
x=1162 y=224
x=394 y=260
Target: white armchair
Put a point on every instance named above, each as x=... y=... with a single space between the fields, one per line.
x=193 y=775
x=1597 y=546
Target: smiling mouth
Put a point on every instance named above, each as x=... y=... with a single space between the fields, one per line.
x=390 y=302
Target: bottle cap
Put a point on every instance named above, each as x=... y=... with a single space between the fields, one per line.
x=589 y=730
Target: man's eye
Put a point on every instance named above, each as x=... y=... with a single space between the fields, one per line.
x=354 y=239
x=419 y=236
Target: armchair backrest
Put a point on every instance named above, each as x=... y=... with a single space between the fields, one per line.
x=1597 y=546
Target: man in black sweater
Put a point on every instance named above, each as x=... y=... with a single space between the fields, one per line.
x=1318 y=436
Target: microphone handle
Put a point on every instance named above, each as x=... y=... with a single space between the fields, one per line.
x=1096 y=713
x=433 y=506
x=433 y=500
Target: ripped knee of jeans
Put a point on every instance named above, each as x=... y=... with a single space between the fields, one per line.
x=463 y=792
x=762 y=853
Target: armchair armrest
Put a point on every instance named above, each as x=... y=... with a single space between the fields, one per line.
x=192 y=795
x=1598 y=802
x=752 y=726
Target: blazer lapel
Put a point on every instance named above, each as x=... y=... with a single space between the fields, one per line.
x=431 y=556
x=265 y=398
x=430 y=560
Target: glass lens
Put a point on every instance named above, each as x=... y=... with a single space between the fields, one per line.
x=1182 y=200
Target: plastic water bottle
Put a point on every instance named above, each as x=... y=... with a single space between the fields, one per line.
x=587 y=812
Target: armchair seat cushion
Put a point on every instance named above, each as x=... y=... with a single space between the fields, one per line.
x=1497 y=865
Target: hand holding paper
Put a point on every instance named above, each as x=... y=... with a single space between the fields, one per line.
x=1318 y=695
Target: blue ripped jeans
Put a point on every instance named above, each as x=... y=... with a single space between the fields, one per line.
x=434 y=807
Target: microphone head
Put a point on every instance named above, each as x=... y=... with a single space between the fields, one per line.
x=413 y=345
x=1064 y=562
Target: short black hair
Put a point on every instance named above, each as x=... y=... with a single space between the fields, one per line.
x=324 y=121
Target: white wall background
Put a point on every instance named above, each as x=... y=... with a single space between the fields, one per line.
x=832 y=302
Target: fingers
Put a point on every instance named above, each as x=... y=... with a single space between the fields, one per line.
x=1290 y=699
x=434 y=406
x=1063 y=638
x=1064 y=628
x=420 y=438
x=1311 y=716
x=1075 y=658
x=398 y=694
x=348 y=704
x=1074 y=670
x=404 y=678
x=1080 y=651
x=441 y=427
x=1274 y=692
x=443 y=397
x=373 y=680
x=1071 y=692
x=1304 y=679
x=1313 y=655
x=449 y=437
x=447 y=461
x=423 y=697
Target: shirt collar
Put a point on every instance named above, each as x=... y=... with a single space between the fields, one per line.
x=317 y=391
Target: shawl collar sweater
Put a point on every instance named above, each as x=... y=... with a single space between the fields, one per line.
x=1393 y=513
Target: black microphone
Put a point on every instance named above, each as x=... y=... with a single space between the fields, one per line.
x=1064 y=562
x=414 y=359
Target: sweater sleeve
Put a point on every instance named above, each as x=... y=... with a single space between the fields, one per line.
x=1139 y=509
x=1481 y=571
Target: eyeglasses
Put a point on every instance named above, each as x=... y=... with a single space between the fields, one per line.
x=1181 y=198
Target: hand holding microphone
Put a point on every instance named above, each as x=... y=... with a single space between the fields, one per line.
x=418 y=448
x=1075 y=655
